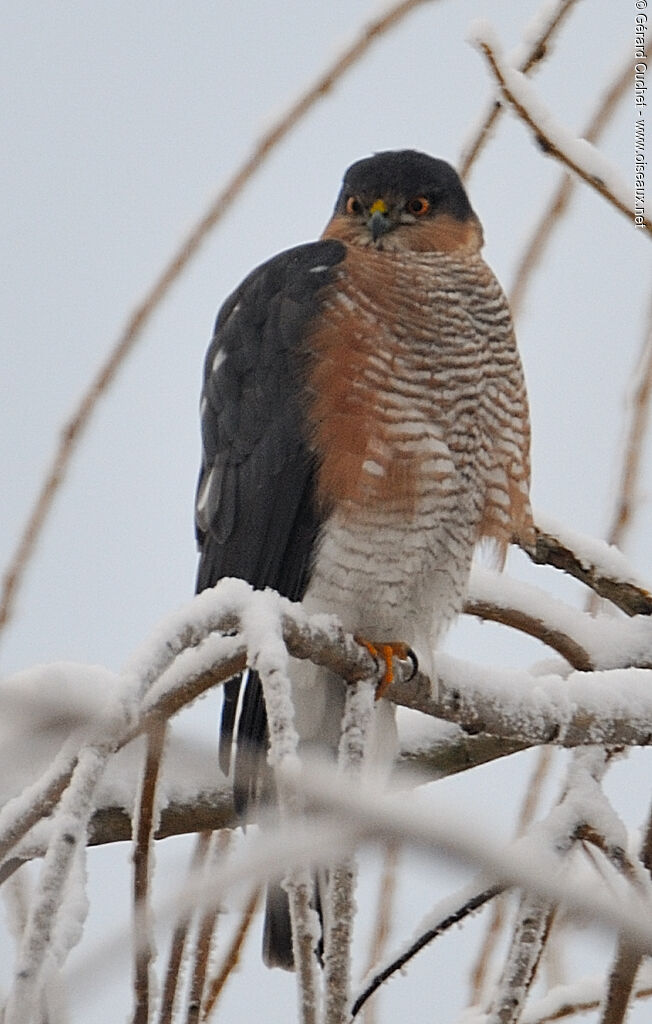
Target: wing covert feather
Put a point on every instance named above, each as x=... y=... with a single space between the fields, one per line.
x=256 y=513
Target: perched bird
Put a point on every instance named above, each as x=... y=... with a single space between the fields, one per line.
x=365 y=424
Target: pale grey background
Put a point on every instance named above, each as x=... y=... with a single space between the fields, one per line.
x=119 y=122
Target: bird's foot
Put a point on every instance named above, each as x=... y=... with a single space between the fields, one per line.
x=385 y=653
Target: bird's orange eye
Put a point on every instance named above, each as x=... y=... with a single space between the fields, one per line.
x=418 y=206
x=353 y=205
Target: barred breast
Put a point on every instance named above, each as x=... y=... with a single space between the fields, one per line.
x=419 y=415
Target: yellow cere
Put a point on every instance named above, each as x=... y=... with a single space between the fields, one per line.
x=379 y=206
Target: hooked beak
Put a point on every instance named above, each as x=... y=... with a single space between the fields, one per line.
x=379 y=222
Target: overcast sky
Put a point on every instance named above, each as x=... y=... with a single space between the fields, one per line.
x=120 y=121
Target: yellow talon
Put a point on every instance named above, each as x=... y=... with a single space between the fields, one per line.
x=386 y=653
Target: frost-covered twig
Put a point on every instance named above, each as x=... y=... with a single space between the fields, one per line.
x=22 y=812
x=339 y=910
x=536 y=42
x=582 y=805
x=556 y=207
x=205 y=811
x=586 y=641
x=268 y=655
x=584 y=814
x=513 y=708
x=498 y=918
x=530 y=863
x=593 y=563
x=232 y=957
x=576 y=154
x=462 y=906
x=611 y=708
x=533 y=920
x=68 y=837
x=144 y=826
x=622 y=978
x=180 y=937
x=218 y=848
x=582 y=996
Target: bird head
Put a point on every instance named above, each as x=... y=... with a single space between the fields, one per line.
x=404 y=200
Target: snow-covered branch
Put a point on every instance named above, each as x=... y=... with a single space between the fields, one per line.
x=534 y=48
x=593 y=562
x=606 y=699
x=577 y=155
x=553 y=213
x=202 y=646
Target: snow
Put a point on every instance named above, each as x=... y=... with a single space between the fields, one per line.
x=578 y=151
x=203 y=614
x=440 y=830
x=609 y=641
x=537 y=28
x=607 y=559
x=85 y=713
x=587 y=991
x=268 y=654
x=40 y=708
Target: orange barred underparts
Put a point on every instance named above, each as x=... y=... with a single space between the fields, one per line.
x=386 y=652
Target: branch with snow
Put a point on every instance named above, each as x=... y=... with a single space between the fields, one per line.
x=268 y=655
x=587 y=994
x=583 y=815
x=533 y=921
x=578 y=155
x=534 y=48
x=201 y=646
x=551 y=216
x=340 y=909
x=598 y=565
x=606 y=700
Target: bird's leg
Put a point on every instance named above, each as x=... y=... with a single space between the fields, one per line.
x=385 y=653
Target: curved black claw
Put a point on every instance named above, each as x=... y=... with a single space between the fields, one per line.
x=415 y=664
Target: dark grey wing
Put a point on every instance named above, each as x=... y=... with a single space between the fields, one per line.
x=256 y=514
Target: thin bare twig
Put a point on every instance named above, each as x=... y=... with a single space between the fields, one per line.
x=498 y=917
x=537 y=52
x=385 y=906
x=205 y=931
x=133 y=329
x=621 y=983
x=216 y=984
x=558 y=204
x=543 y=136
x=633 y=447
x=622 y=978
x=143 y=836
x=69 y=833
x=180 y=937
